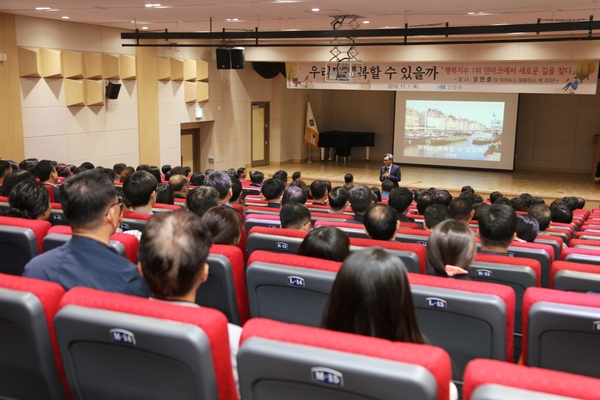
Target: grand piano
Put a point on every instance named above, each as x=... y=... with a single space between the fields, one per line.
x=343 y=141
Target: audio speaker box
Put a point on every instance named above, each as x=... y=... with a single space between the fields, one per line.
x=223 y=58
x=112 y=90
x=238 y=61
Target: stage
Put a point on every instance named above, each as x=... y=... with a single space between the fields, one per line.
x=548 y=185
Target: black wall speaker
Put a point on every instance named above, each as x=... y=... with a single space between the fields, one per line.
x=223 y=58
x=112 y=90
x=230 y=58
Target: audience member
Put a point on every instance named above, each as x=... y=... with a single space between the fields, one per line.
x=256 y=178
x=467 y=189
x=272 y=190
x=348 y=186
x=172 y=258
x=503 y=200
x=497 y=229
x=45 y=171
x=461 y=209
x=349 y=178
x=224 y=225
x=478 y=210
x=580 y=203
x=165 y=168
x=236 y=190
x=155 y=173
x=28 y=164
x=139 y=192
x=64 y=171
x=360 y=198
x=201 y=199
x=424 y=201
x=527 y=228
x=164 y=194
x=326 y=243
x=29 y=200
x=124 y=174
x=221 y=181
x=318 y=191
x=295 y=216
x=376 y=194
x=381 y=222
x=12 y=179
x=282 y=176
x=386 y=188
x=495 y=196
x=293 y=194
x=562 y=214
x=231 y=172
x=542 y=213
x=5 y=169
x=451 y=249
x=241 y=173
x=88 y=165
x=197 y=179
x=519 y=204
x=443 y=197
x=91 y=206
x=118 y=168
x=435 y=214
x=338 y=200
x=179 y=185
x=400 y=200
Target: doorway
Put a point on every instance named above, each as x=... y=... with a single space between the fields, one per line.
x=260 y=134
x=190 y=148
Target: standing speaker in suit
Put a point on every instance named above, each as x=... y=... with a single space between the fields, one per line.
x=390 y=171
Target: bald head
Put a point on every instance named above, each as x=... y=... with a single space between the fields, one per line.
x=381 y=222
x=179 y=184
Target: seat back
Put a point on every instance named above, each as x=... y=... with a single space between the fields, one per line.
x=274 y=239
x=225 y=288
x=289 y=288
x=560 y=331
x=518 y=273
x=352 y=230
x=555 y=241
x=575 y=277
x=544 y=253
x=20 y=241
x=467 y=319
x=494 y=380
x=418 y=236
x=581 y=255
x=278 y=360
x=414 y=256
x=265 y=221
x=29 y=360
x=116 y=346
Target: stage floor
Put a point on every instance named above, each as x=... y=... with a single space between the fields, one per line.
x=548 y=185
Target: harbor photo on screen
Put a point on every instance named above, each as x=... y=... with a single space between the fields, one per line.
x=461 y=130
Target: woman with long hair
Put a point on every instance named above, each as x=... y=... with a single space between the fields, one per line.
x=451 y=249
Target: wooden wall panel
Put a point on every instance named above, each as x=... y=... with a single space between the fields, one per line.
x=51 y=63
x=72 y=64
x=29 y=63
x=147 y=97
x=110 y=66
x=11 y=116
x=164 y=69
x=92 y=65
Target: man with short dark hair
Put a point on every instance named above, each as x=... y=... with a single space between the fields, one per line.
x=562 y=214
x=45 y=171
x=386 y=188
x=461 y=209
x=348 y=178
x=139 y=190
x=174 y=272
x=282 y=176
x=467 y=189
x=201 y=199
x=497 y=229
x=241 y=173
x=256 y=178
x=443 y=197
x=495 y=196
x=90 y=204
x=179 y=185
x=424 y=201
x=338 y=200
x=381 y=222
x=236 y=190
x=295 y=216
x=293 y=194
x=318 y=191
x=360 y=198
x=5 y=169
x=221 y=181
x=435 y=214
x=400 y=200
x=272 y=189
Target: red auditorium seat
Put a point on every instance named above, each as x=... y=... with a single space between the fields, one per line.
x=264 y=220
x=20 y=241
x=580 y=255
x=50 y=190
x=561 y=331
x=123 y=243
x=30 y=360
x=163 y=207
x=225 y=288
x=274 y=239
x=467 y=319
x=116 y=346
x=289 y=288
x=490 y=379
x=279 y=360
x=575 y=277
x=584 y=243
x=414 y=256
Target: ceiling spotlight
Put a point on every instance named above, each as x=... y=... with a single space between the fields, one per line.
x=315 y=9
x=144 y=28
x=227 y=19
x=42 y=8
x=65 y=17
x=366 y=22
x=151 y=5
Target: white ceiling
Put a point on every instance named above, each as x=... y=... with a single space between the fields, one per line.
x=277 y=15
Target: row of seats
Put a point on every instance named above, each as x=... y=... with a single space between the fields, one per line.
x=90 y=344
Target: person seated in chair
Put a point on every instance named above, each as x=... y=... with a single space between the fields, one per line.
x=542 y=213
x=360 y=198
x=174 y=272
x=451 y=250
x=497 y=229
x=434 y=215
x=461 y=209
x=221 y=181
x=400 y=200
x=91 y=206
x=256 y=178
x=180 y=186
x=272 y=189
x=45 y=171
x=338 y=200
x=29 y=200
x=139 y=191
x=295 y=216
x=318 y=191
x=381 y=222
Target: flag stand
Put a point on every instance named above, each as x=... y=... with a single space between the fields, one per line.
x=309 y=161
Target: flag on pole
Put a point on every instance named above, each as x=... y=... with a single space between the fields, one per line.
x=311 y=132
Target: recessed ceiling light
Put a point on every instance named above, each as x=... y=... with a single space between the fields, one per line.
x=227 y=19
x=316 y=9
x=65 y=17
x=234 y=19
x=42 y=8
x=366 y=22
x=144 y=28
x=152 y=5
x=471 y=13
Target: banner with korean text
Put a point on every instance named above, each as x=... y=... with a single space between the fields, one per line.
x=561 y=77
